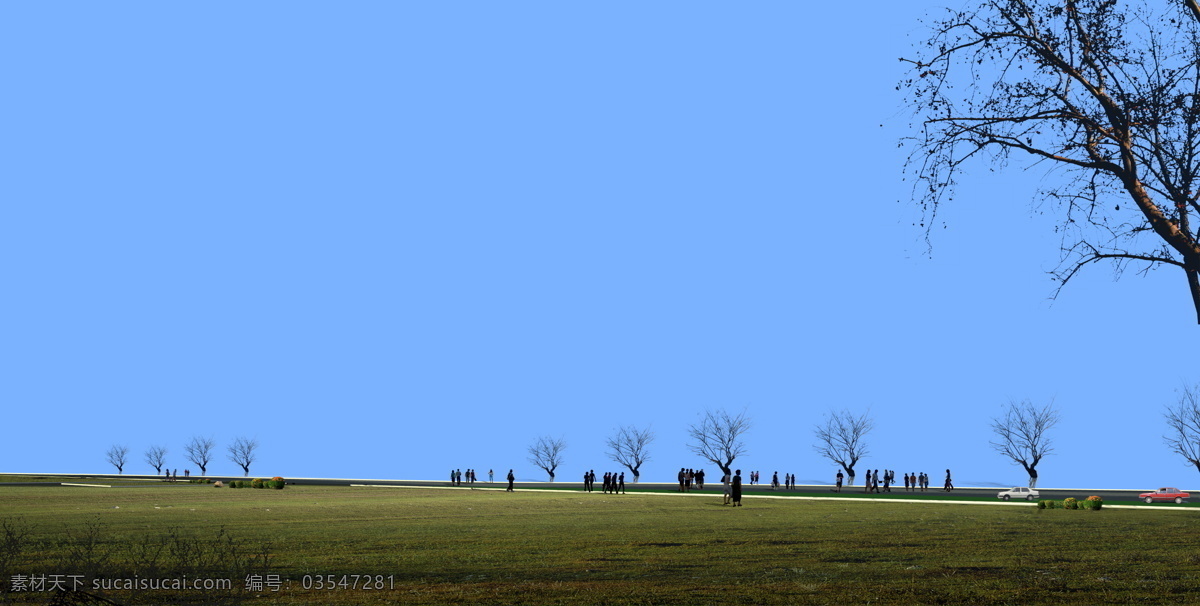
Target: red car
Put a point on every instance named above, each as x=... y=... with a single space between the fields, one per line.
x=1164 y=494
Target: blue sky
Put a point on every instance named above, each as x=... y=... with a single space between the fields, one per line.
x=387 y=239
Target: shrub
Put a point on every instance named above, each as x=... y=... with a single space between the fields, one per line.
x=1096 y=502
x=1041 y=504
x=257 y=483
x=1070 y=503
x=1050 y=504
x=277 y=483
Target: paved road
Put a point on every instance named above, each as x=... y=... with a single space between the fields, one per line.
x=1109 y=495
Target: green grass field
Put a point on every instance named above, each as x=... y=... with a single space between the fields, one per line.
x=434 y=546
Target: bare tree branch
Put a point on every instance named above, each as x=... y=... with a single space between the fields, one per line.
x=1183 y=421
x=156 y=457
x=1023 y=435
x=547 y=453
x=842 y=439
x=1193 y=7
x=630 y=447
x=200 y=451
x=242 y=453
x=1108 y=93
x=117 y=456
x=718 y=437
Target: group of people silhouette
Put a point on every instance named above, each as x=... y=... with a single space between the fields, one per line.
x=613 y=482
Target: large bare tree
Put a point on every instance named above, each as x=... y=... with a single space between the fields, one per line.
x=156 y=457
x=1104 y=94
x=1023 y=435
x=242 y=452
x=631 y=447
x=717 y=437
x=1183 y=421
x=200 y=451
x=547 y=453
x=842 y=439
x=117 y=456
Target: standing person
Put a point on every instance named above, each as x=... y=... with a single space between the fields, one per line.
x=735 y=488
x=700 y=479
x=887 y=480
x=949 y=485
x=839 y=481
x=511 y=477
x=725 y=480
x=587 y=487
x=682 y=478
x=491 y=477
x=775 y=481
x=867 y=482
x=621 y=483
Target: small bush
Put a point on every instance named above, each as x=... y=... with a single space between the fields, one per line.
x=277 y=483
x=1049 y=504
x=257 y=483
x=1070 y=503
x=1041 y=504
x=1096 y=502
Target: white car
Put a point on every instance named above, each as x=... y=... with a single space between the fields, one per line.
x=1019 y=492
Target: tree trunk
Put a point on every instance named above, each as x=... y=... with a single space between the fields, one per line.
x=850 y=476
x=1032 y=476
x=636 y=476
x=1193 y=277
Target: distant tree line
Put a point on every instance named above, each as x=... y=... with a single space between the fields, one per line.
x=199 y=451
x=1021 y=433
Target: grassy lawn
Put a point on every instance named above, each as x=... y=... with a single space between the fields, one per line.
x=485 y=546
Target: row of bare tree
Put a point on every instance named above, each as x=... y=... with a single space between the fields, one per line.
x=199 y=451
x=1021 y=434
